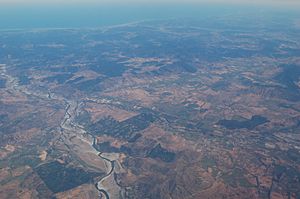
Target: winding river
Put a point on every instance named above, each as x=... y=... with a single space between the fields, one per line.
x=67 y=125
x=112 y=163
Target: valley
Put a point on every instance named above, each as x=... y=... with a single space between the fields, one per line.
x=155 y=109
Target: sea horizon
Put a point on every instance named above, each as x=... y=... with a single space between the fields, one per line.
x=72 y=17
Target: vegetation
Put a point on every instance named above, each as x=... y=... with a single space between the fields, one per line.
x=250 y=124
x=159 y=152
x=59 y=177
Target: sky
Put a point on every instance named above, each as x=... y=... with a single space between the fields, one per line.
x=66 y=2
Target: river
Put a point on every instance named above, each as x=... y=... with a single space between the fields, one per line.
x=68 y=126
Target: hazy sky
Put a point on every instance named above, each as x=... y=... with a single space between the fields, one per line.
x=36 y=2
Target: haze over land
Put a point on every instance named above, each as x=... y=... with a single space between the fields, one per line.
x=153 y=100
x=18 y=14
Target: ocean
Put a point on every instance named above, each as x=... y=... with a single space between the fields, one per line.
x=91 y=16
